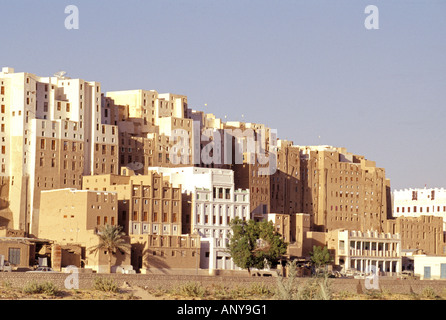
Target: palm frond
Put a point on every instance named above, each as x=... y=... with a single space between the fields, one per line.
x=111 y=238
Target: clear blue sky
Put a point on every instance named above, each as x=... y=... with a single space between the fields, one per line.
x=309 y=69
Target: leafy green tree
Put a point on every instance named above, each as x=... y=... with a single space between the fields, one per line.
x=111 y=240
x=320 y=257
x=252 y=244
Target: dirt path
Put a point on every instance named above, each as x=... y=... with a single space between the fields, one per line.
x=139 y=292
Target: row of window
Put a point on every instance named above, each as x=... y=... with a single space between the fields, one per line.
x=370 y=245
x=147 y=192
x=414 y=209
x=52 y=162
x=340 y=218
x=105 y=220
x=166 y=203
x=172 y=253
x=104 y=168
x=219 y=208
x=413 y=235
x=103 y=148
x=67 y=146
x=214 y=219
x=341 y=207
x=155 y=230
x=346 y=194
x=155 y=217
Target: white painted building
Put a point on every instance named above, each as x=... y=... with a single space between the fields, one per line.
x=430 y=267
x=367 y=252
x=214 y=202
x=418 y=201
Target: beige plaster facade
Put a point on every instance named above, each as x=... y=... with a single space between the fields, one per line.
x=74 y=217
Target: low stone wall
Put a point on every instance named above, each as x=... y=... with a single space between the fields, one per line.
x=86 y=281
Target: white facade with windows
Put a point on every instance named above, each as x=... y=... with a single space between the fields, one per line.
x=417 y=202
x=430 y=267
x=367 y=252
x=214 y=202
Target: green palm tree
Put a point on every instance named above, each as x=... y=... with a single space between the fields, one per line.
x=111 y=240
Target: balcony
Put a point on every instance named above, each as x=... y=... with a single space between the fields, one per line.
x=371 y=253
